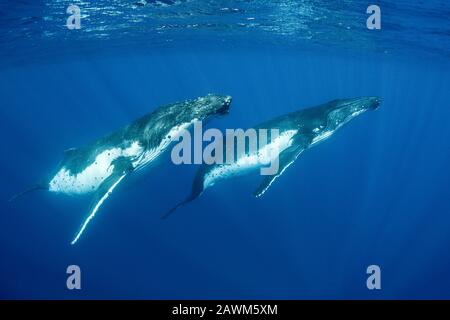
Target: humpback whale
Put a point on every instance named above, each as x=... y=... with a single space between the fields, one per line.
x=298 y=131
x=99 y=167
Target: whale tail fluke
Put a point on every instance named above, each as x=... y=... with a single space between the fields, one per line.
x=173 y=209
x=197 y=190
x=27 y=191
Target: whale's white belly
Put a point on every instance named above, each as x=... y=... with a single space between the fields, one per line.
x=93 y=174
x=101 y=168
x=263 y=157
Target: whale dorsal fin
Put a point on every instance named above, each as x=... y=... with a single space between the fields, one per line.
x=286 y=158
x=122 y=167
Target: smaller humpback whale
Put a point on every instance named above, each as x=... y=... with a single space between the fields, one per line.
x=298 y=131
x=100 y=166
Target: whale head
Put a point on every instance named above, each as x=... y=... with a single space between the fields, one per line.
x=342 y=111
x=212 y=105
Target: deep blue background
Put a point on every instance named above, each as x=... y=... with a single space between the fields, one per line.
x=375 y=193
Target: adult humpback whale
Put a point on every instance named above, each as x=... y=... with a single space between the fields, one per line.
x=100 y=166
x=298 y=131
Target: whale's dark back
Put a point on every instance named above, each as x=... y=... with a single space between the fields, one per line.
x=148 y=130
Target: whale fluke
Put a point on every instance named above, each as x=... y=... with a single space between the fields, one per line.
x=29 y=190
x=173 y=209
x=196 y=191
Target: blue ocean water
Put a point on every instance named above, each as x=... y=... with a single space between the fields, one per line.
x=375 y=193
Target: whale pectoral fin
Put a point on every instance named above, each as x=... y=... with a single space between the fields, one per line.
x=122 y=167
x=286 y=158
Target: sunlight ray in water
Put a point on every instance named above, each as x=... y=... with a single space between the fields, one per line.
x=305 y=213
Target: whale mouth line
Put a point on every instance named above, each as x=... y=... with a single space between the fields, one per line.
x=225 y=109
x=376 y=104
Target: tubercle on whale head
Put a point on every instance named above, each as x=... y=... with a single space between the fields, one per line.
x=214 y=104
x=358 y=104
x=365 y=103
x=373 y=102
x=344 y=110
x=225 y=109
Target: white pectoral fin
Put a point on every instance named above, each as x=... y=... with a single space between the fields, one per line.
x=102 y=194
x=121 y=169
x=286 y=158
